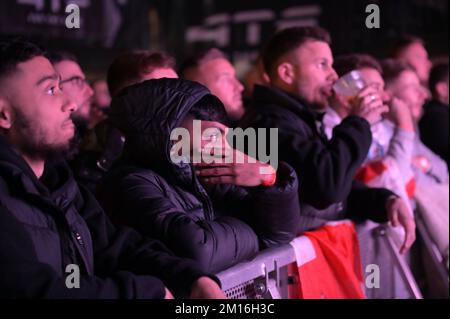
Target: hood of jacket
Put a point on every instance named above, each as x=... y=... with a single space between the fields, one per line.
x=148 y=112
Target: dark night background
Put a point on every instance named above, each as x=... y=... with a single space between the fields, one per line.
x=239 y=27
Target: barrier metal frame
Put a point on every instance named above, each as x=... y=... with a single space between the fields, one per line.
x=266 y=276
x=436 y=266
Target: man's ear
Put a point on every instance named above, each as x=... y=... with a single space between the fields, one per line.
x=286 y=73
x=5 y=114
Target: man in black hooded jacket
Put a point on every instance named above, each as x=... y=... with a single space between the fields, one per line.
x=219 y=217
x=55 y=240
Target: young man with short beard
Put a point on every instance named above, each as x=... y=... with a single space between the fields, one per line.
x=48 y=223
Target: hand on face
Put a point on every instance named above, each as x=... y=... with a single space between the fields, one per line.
x=400 y=114
x=226 y=165
x=250 y=173
x=408 y=89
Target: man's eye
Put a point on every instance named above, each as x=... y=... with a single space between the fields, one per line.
x=51 y=91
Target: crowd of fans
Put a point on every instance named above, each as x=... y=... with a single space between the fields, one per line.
x=89 y=180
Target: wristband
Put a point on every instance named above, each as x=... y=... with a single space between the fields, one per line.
x=269 y=179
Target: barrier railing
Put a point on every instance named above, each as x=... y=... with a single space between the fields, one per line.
x=386 y=233
x=435 y=264
x=266 y=276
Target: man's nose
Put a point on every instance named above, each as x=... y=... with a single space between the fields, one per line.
x=333 y=75
x=69 y=105
x=239 y=86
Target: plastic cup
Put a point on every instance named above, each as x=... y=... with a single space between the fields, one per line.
x=349 y=85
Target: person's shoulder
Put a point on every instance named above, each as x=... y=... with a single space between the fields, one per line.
x=273 y=113
x=126 y=172
x=130 y=177
x=270 y=99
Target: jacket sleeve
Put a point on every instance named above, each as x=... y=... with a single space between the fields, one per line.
x=24 y=276
x=273 y=212
x=325 y=169
x=125 y=248
x=401 y=150
x=216 y=244
x=367 y=203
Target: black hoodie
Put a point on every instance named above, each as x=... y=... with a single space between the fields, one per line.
x=49 y=223
x=219 y=227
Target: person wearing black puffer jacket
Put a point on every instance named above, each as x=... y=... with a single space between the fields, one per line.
x=55 y=239
x=223 y=215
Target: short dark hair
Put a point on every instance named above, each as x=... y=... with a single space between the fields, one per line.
x=438 y=73
x=288 y=40
x=128 y=67
x=392 y=68
x=15 y=51
x=199 y=58
x=346 y=63
x=59 y=56
x=209 y=108
x=402 y=42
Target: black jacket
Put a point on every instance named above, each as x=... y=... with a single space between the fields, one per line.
x=49 y=223
x=434 y=128
x=218 y=227
x=325 y=168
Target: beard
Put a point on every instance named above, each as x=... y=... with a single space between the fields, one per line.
x=75 y=143
x=80 y=121
x=32 y=141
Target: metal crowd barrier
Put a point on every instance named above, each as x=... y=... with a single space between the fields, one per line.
x=264 y=277
x=387 y=234
x=434 y=263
